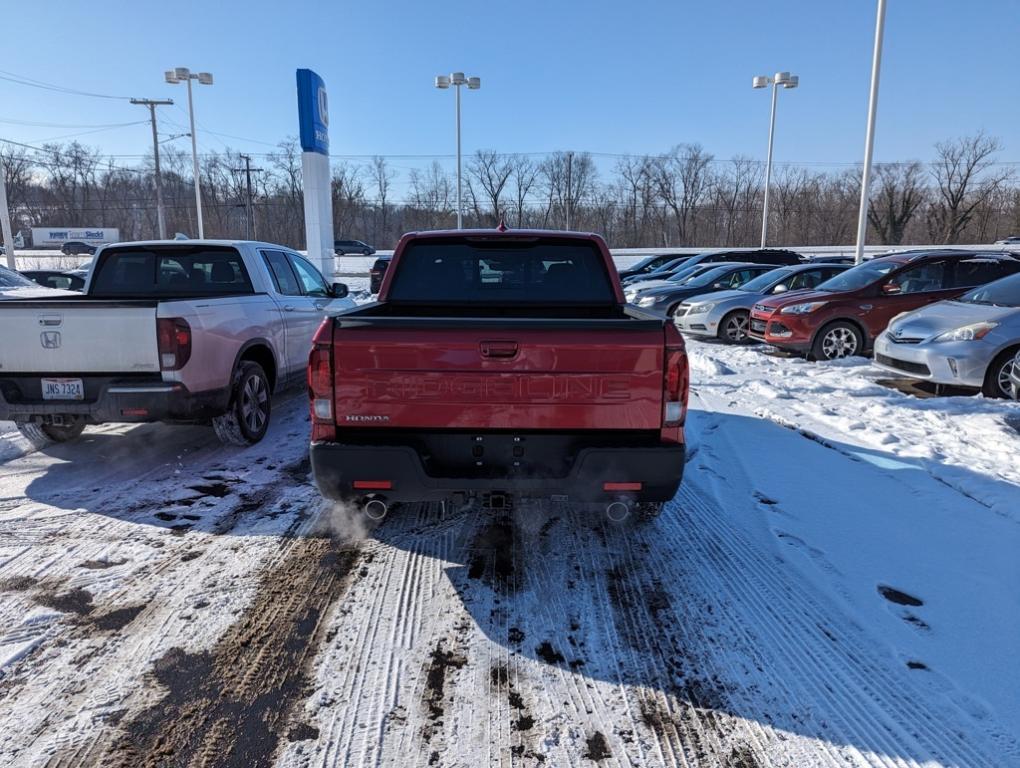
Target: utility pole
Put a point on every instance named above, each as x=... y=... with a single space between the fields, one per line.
x=249 y=208
x=152 y=104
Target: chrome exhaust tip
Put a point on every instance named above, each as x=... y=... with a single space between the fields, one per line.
x=617 y=511
x=376 y=509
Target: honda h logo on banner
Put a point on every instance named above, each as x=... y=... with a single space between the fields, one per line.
x=313 y=112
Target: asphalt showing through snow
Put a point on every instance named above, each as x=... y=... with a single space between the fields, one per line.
x=168 y=602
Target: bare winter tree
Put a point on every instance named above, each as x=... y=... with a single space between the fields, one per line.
x=683 y=180
x=568 y=177
x=963 y=181
x=737 y=192
x=430 y=197
x=381 y=177
x=523 y=176
x=491 y=171
x=898 y=194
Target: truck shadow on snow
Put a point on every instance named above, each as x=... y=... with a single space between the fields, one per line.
x=706 y=629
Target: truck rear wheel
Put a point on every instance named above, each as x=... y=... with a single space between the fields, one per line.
x=247 y=418
x=41 y=435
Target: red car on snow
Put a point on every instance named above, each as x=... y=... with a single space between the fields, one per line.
x=844 y=315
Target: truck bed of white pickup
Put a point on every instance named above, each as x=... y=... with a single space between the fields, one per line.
x=189 y=331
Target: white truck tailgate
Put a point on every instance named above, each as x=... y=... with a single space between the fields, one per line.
x=81 y=337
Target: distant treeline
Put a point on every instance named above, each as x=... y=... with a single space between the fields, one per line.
x=685 y=197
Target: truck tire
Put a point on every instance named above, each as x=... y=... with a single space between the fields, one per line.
x=997 y=383
x=247 y=416
x=41 y=435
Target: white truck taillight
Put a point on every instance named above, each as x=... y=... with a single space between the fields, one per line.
x=320 y=383
x=173 y=340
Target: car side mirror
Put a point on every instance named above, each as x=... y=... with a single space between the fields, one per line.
x=891 y=289
x=340 y=290
x=719 y=285
x=781 y=288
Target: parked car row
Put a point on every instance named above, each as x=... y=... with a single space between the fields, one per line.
x=946 y=316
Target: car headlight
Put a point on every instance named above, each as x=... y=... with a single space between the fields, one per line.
x=647 y=301
x=802 y=309
x=700 y=309
x=970 y=332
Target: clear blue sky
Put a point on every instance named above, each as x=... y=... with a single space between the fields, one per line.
x=613 y=77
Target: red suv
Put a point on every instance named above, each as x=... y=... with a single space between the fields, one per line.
x=843 y=315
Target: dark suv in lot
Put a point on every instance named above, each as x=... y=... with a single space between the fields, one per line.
x=845 y=314
x=77 y=248
x=352 y=248
x=377 y=273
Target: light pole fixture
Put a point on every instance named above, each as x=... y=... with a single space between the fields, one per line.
x=869 y=136
x=185 y=75
x=779 y=80
x=457 y=79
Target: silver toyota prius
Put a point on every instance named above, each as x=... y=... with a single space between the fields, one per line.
x=726 y=314
x=968 y=342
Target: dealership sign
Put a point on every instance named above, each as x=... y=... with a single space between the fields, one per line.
x=313 y=112
x=55 y=237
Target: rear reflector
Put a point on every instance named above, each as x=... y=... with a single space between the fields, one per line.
x=322 y=408
x=621 y=486
x=135 y=412
x=373 y=485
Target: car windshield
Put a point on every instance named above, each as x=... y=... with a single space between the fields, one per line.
x=1001 y=293
x=859 y=276
x=668 y=266
x=689 y=273
x=9 y=279
x=708 y=277
x=766 y=280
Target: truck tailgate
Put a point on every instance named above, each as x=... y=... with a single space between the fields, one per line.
x=78 y=336
x=484 y=376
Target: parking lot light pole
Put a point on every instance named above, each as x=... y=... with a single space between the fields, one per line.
x=869 y=138
x=179 y=75
x=457 y=79
x=784 y=80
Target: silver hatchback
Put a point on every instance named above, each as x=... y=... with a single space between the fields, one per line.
x=968 y=342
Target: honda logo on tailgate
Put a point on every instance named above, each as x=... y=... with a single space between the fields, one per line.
x=50 y=339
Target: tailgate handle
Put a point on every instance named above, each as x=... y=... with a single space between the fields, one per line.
x=498 y=348
x=50 y=320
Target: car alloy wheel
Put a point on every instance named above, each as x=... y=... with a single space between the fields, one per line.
x=736 y=326
x=839 y=342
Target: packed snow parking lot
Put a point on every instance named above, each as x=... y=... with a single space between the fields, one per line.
x=835 y=584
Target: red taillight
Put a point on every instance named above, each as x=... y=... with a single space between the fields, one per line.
x=621 y=486
x=320 y=383
x=173 y=335
x=373 y=485
x=676 y=379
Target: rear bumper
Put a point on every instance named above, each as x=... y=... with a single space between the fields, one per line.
x=110 y=399
x=658 y=470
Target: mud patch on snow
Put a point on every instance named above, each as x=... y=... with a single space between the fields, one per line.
x=597 y=748
x=77 y=601
x=899 y=597
x=440 y=663
x=493 y=557
x=117 y=619
x=98 y=565
x=231 y=705
x=18 y=583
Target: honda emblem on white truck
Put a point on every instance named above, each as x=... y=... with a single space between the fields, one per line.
x=50 y=339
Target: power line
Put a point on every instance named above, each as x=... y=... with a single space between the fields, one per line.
x=33 y=83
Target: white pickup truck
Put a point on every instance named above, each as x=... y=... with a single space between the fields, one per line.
x=196 y=331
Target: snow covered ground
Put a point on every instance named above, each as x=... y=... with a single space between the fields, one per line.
x=834 y=585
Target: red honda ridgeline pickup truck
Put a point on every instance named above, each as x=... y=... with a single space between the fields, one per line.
x=499 y=365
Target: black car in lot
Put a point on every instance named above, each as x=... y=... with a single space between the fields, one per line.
x=658 y=273
x=377 y=273
x=665 y=299
x=352 y=248
x=649 y=264
x=51 y=278
x=77 y=248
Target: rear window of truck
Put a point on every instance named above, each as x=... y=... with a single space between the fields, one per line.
x=501 y=271
x=164 y=272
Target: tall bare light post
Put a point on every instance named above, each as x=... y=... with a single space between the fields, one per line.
x=780 y=80
x=457 y=79
x=869 y=138
x=185 y=75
